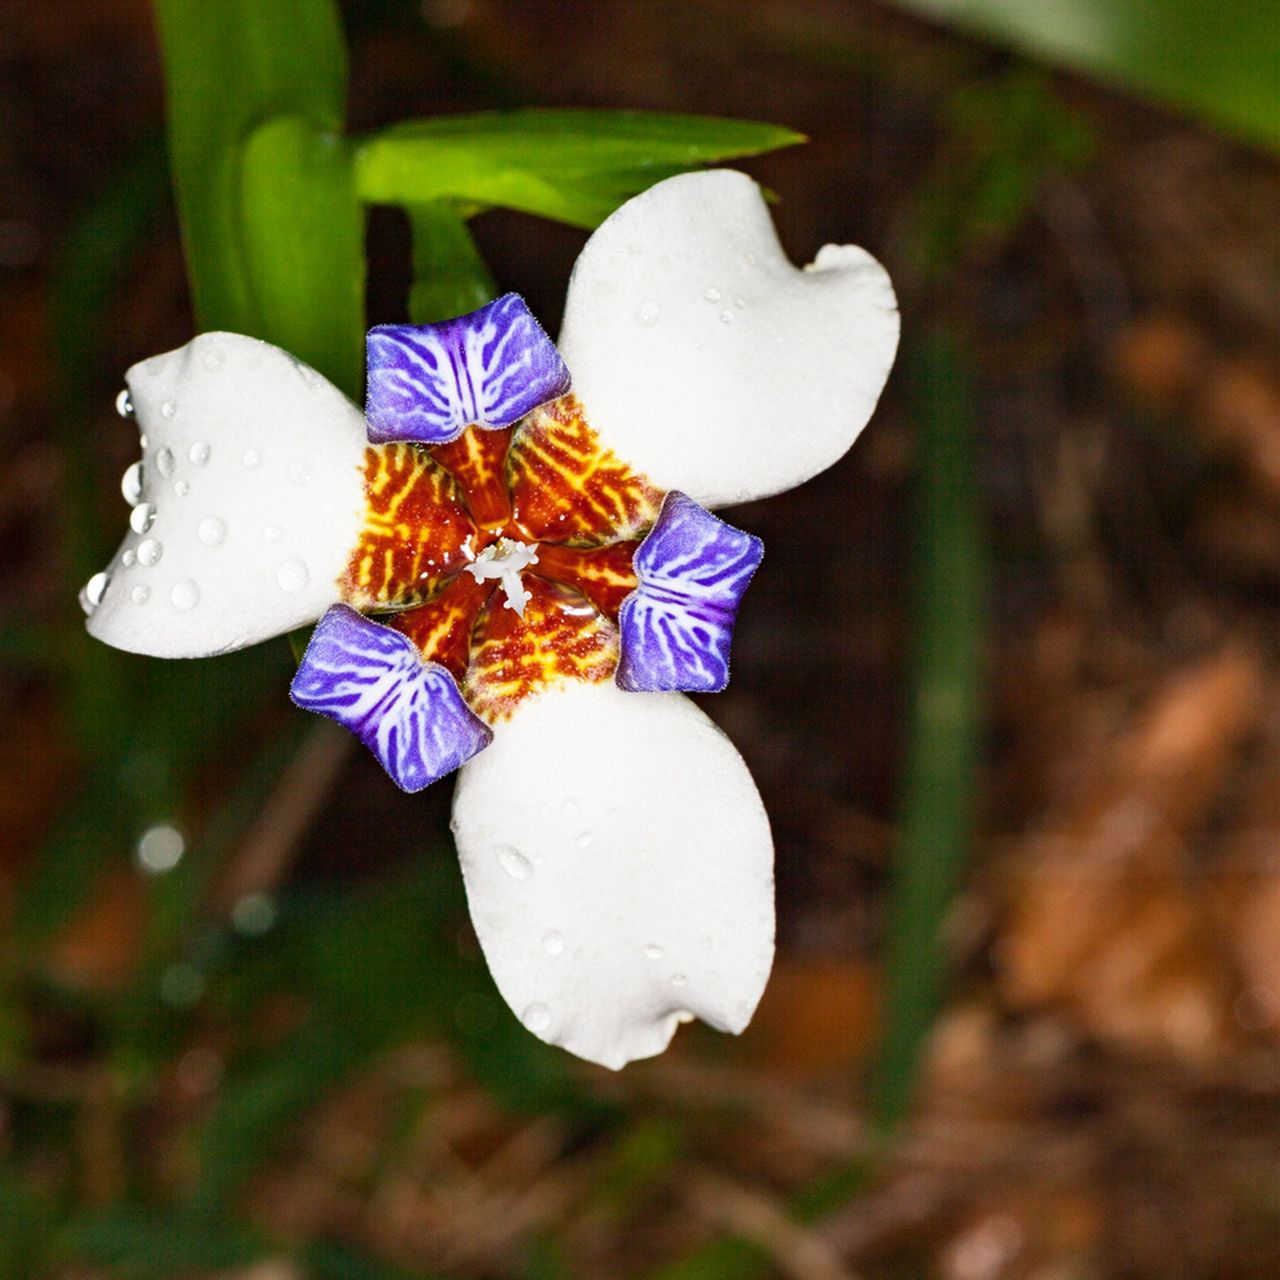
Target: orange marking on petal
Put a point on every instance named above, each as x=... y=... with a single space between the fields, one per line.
x=560 y=637
x=415 y=533
x=603 y=574
x=476 y=460
x=567 y=487
x=442 y=627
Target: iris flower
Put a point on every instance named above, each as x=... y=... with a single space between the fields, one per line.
x=515 y=572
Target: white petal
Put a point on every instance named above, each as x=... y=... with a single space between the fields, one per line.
x=619 y=870
x=705 y=359
x=251 y=498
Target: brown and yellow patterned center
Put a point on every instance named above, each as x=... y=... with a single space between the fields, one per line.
x=431 y=512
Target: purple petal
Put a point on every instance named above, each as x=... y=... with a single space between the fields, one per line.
x=373 y=681
x=430 y=382
x=678 y=623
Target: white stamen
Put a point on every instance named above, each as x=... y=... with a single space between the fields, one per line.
x=505 y=560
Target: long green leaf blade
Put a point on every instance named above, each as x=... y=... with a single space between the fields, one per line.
x=574 y=166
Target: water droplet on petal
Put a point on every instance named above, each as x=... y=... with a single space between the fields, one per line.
x=571 y=808
x=553 y=942
x=513 y=862
x=131 y=484
x=679 y=980
x=293 y=575
x=584 y=840
x=252 y=458
x=272 y=533
x=654 y=952
x=128 y=557
x=185 y=594
x=648 y=313
x=142 y=517
x=711 y=295
x=164 y=462
x=140 y=594
x=537 y=1017
x=124 y=404
x=740 y=302
x=168 y=409
x=199 y=453
x=211 y=531
x=94 y=589
x=149 y=552
x=181 y=488
x=726 y=316
x=214 y=359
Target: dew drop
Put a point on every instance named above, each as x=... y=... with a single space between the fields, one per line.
x=648 y=313
x=537 y=1017
x=131 y=484
x=272 y=533
x=164 y=462
x=211 y=531
x=168 y=409
x=181 y=488
x=750 y=258
x=711 y=295
x=149 y=552
x=740 y=302
x=571 y=808
x=214 y=359
x=124 y=404
x=142 y=517
x=553 y=942
x=128 y=557
x=185 y=594
x=654 y=952
x=140 y=594
x=726 y=316
x=514 y=863
x=252 y=458
x=679 y=980
x=293 y=575
x=584 y=840
x=94 y=589
x=199 y=453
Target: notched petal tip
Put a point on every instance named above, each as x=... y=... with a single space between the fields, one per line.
x=428 y=383
x=617 y=894
x=372 y=681
x=710 y=362
x=677 y=626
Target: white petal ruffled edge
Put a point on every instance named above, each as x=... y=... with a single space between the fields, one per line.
x=247 y=501
x=705 y=359
x=619 y=870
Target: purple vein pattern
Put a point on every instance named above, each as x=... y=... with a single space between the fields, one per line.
x=428 y=383
x=373 y=681
x=678 y=623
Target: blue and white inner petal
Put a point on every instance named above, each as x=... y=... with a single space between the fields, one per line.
x=373 y=681
x=678 y=624
x=428 y=383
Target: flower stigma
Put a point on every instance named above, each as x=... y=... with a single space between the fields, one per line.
x=505 y=560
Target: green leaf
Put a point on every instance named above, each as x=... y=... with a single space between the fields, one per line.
x=160 y=1244
x=272 y=235
x=574 y=166
x=302 y=231
x=1221 y=61
x=450 y=277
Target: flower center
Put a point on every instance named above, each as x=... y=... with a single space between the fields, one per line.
x=505 y=560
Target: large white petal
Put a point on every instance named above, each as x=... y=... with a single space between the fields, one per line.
x=619 y=870
x=705 y=359
x=250 y=498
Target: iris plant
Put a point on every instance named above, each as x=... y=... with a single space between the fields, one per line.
x=515 y=573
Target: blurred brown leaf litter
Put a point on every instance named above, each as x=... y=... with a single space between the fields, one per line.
x=1101 y=1094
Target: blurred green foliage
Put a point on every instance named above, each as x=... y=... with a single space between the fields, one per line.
x=1219 y=61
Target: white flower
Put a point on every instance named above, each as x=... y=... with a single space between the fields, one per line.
x=546 y=574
